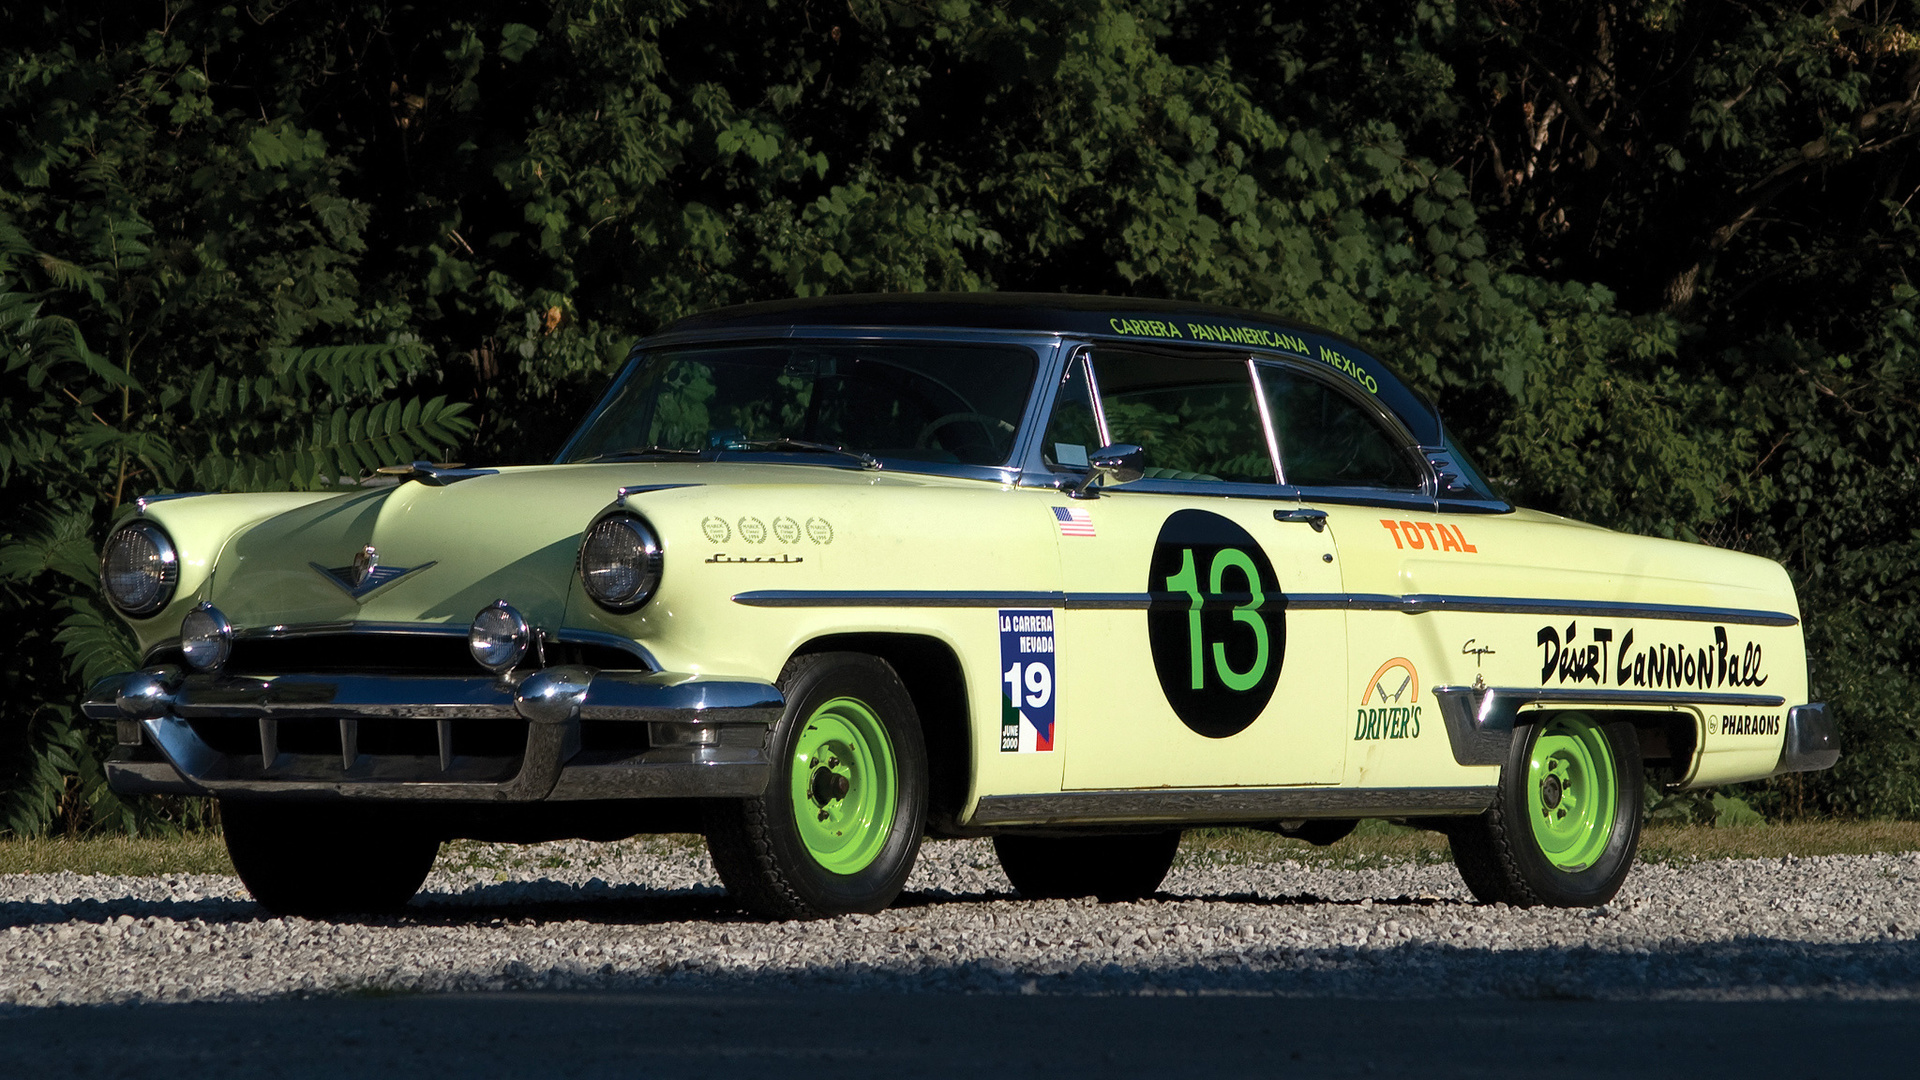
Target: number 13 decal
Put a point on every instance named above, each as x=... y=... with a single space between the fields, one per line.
x=1217 y=623
x=1247 y=614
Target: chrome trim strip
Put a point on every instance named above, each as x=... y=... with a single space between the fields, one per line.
x=299 y=630
x=1195 y=805
x=140 y=504
x=1423 y=603
x=1480 y=721
x=605 y=640
x=1418 y=604
x=621 y=495
x=930 y=598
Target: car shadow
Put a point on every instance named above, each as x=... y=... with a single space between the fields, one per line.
x=611 y=904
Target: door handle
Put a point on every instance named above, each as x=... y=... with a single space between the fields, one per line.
x=1315 y=518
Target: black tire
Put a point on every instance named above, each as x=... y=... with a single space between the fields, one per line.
x=1500 y=854
x=1114 y=868
x=758 y=845
x=322 y=859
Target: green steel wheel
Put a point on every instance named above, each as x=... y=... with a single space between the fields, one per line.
x=1572 y=792
x=843 y=784
x=1565 y=822
x=839 y=825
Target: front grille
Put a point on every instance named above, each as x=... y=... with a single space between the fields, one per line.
x=369 y=654
x=317 y=748
x=387 y=653
x=405 y=738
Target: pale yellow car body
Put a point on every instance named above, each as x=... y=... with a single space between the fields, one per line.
x=732 y=530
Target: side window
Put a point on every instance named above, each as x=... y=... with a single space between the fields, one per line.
x=1072 y=431
x=1196 y=419
x=1328 y=440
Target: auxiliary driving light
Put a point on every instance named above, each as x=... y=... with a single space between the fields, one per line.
x=499 y=636
x=206 y=638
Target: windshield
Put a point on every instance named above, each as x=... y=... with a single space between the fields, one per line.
x=955 y=404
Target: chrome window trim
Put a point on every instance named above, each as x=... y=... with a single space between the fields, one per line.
x=1039 y=474
x=1396 y=432
x=1266 y=422
x=1083 y=355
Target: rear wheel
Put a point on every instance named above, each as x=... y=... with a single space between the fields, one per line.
x=319 y=859
x=1565 y=825
x=1121 y=867
x=839 y=826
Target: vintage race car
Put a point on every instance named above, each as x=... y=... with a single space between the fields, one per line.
x=820 y=578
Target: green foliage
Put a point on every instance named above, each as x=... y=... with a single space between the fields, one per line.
x=1653 y=259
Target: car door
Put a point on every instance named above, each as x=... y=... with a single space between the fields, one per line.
x=1185 y=661
x=1349 y=460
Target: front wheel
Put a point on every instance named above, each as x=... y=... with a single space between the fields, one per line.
x=322 y=859
x=839 y=826
x=1565 y=825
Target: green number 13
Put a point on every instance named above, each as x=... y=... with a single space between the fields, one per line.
x=1188 y=581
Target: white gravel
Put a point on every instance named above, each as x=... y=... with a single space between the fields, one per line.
x=648 y=914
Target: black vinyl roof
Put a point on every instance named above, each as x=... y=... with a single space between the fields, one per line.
x=1157 y=322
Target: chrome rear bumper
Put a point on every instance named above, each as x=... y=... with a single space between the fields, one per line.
x=1811 y=743
x=438 y=737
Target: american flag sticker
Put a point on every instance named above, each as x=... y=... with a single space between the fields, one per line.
x=1073 y=521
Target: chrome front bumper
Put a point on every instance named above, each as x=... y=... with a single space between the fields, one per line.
x=418 y=737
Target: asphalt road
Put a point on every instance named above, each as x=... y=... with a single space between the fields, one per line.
x=837 y=1036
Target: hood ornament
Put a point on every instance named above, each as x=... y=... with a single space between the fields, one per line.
x=365 y=574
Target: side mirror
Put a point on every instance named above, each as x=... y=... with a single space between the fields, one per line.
x=1121 y=463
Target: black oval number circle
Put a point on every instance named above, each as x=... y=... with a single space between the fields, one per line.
x=1217 y=624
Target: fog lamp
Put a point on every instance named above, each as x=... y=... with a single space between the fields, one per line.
x=206 y=638
x=499 y=636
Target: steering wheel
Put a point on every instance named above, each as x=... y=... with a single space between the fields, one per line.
x=992 y=425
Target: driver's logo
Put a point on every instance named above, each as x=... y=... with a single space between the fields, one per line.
x=1217 y=623
x=1389 y=703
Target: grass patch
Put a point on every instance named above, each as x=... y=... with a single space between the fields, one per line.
x=1374 y=844
x=133 y=856
x=1686 y=843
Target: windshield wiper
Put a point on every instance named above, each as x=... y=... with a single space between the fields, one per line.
x=645 y=451
x=866 y=460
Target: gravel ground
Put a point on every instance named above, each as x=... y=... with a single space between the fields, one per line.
x=648 y=915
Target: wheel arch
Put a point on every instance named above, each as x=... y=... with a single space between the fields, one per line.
x=1669 y=739
x=935 y=680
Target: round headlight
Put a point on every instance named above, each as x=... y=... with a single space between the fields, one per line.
x=620 y=562
x=138 y=568
x=206 y=638
x=499 y=636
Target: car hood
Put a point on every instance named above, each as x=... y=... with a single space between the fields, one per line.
x=444 y=552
